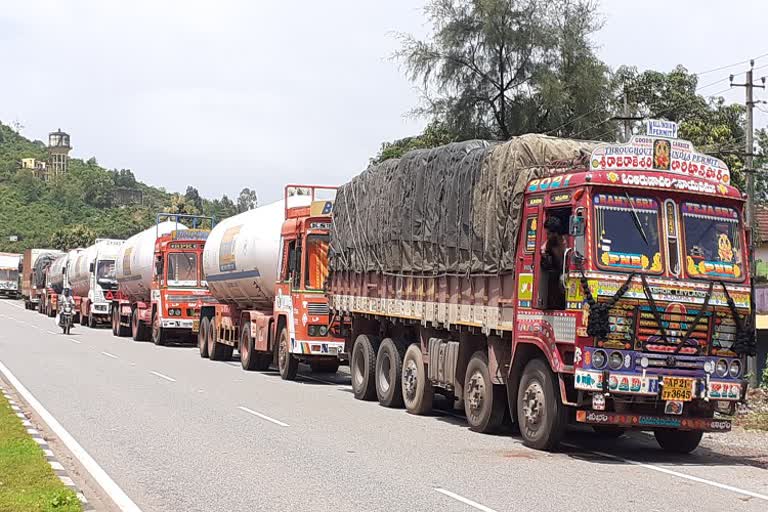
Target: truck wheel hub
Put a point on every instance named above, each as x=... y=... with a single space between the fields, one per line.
x=476 y=392
x=386 y=367
x=410 y=379
x=533 y=403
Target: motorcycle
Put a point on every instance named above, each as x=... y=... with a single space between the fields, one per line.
x=66 y=317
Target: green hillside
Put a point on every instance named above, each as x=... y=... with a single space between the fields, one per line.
x=75 y=209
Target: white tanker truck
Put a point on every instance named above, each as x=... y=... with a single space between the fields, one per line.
x=91 y=275
x=9 y=274
x=55 y=282
x=266 y=268
x=159 y=286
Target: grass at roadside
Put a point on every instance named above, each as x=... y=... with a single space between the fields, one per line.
x=757 y=407
x=27 y=482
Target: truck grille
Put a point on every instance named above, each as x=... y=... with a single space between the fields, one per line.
x=318 y=308
x=677 y=320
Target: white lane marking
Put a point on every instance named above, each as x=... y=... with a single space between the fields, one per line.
x=73 y=340
x=673 y=473
x=109 y=486
x=52 y=332
x=163 y=376
x=464 y=500
x=263 y=416
x=113 y=356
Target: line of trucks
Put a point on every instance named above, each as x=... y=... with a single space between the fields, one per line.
x=433 y=274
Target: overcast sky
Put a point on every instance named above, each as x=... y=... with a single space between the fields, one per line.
x=226 y=94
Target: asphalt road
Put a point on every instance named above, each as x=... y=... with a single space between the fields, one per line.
x=181 y=433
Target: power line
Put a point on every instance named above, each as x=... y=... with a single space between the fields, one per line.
x=730 y=65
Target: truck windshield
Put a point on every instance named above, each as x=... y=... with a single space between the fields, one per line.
x=7 y=274
x=627 y=233
x=316 y=271
x=182 y=269
x=712 y=242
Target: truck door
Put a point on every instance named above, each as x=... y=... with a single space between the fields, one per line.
x=549 y=257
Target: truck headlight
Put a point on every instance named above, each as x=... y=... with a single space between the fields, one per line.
x=599 y=359
x=734 y=370
x=721 y=368
x=616 y=360
x=709 y=366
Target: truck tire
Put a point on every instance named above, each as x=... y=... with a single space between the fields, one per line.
x=417 y=390
x=362 y=366
x=120 y=331
x=484 y=401
x=678 y=441
x=541 y=415
x=115 y=319
x=139 y=330
x=90 y=321
x=324 y=366
x=286 y=363
x=250 y=359
x=159 y=337
x=389 y=373
x=217 y=351
x=202 y=337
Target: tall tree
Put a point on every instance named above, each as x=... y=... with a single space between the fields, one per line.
x=247 y=200
x=497 y=68
x=193 y=196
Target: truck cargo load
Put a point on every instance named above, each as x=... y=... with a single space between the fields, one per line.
x=452 y=209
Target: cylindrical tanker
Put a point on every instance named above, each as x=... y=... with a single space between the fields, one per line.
x=135 y=261
x=55 y=275
x=240 y=258
x=79 y=268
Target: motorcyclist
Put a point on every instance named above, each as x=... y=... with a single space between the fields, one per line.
x=66 y=298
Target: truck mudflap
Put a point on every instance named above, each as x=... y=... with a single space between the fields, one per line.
x=647 y=422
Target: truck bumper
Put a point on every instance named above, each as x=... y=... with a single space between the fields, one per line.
x=317 y=348
x=646 y=422
x=167 y=323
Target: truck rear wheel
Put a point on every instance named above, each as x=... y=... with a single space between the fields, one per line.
x=250 y=359
x=678 y=441
x=286 y=363
x=389 y=372
x=484 y=401
x=417 y=390
x=139 y=330
x=217 y=351
x=541 y=414
x=363 y=367
x=202 y=337
x=119 y=330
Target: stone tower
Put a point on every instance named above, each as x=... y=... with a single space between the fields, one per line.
x=58 y=152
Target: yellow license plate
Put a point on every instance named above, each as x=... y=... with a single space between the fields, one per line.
x=677 y=388
x=195 y=325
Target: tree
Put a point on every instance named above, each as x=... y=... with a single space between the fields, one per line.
x=247 y=200
x=123 y=178
x=193 y=196
x=29 y=187
x=434 y=135
x=72 y=237
x=497 y=68
x=180 y=204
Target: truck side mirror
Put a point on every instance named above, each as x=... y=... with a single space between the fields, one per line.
x=577 y=229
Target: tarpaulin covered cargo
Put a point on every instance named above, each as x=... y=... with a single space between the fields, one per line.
x=454 y=209
x=41 y=265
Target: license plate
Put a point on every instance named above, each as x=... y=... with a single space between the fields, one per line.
x=677 y=389
x=333 y=350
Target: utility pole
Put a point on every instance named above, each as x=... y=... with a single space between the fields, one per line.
x=627 y=126
x=749 y=85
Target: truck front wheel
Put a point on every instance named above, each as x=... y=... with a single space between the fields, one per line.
x=678 y=441
x=158 y=334
x=484 y=401
x=363 y=367
x=417 y=390
x=286 y=363
x=540 y=413
x=389 y=371
x=202 y=337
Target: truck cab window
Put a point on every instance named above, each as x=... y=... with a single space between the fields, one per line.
x=294 y=263
x=182 y=269
x=316 y=268
x=552 y=257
